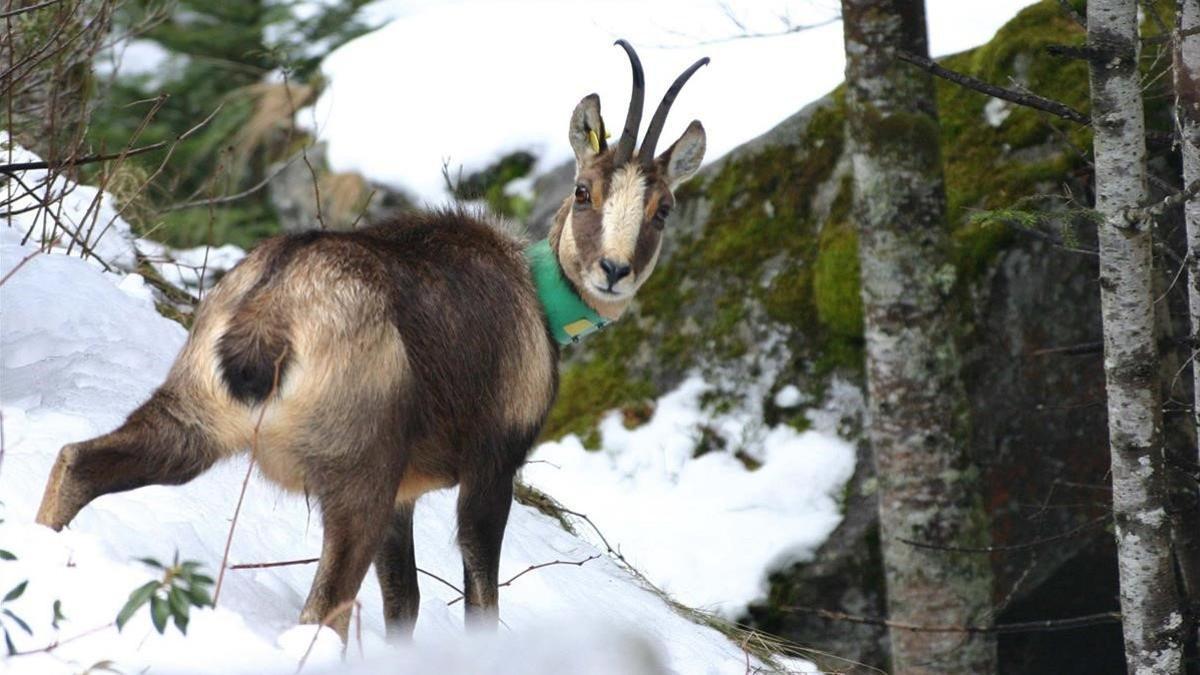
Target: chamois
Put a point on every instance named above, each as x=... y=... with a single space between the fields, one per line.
x=397 y=359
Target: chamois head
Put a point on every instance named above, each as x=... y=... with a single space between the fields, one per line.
x=609 y=238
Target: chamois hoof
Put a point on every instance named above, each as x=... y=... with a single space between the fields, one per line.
x=61 y=500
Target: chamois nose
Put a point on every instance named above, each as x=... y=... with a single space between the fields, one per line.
x=614 y=271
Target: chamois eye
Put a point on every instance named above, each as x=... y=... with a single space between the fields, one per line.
x=582 y=194
x=660 y=216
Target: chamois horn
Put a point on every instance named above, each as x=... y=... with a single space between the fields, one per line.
x=633 y=118
x=646 y=154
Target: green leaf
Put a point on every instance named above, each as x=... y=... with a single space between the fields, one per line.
x=136 y=599
x=20 y=622
x=15 y=592
x=58 y=615
x=202 y=579
x=5 y=555
x=8 y=641
x=178 y=598
x=159 y=611
x=151 y=562
x=200 y=597
x=191 y=565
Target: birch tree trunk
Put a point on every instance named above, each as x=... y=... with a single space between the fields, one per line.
x=1186 y=69
x=1151 y=619
x=929 y=490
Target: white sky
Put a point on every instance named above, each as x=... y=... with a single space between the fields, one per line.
x=470 y=79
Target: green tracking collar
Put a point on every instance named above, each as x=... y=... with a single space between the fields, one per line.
x=570 y=319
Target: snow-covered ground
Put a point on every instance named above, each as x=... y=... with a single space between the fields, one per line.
x=706 y=529
x=465 y=81
x=79 y=348
x=78 y=353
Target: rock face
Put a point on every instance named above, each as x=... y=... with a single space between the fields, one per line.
x=346 y=199
x=758 y=289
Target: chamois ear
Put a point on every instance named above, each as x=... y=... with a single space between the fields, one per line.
x=680 y=161
x=587 y=130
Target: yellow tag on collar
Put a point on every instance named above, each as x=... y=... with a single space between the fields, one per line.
x=576 y=328
x=594 y=140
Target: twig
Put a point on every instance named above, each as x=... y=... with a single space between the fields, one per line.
x=1045 y=625
x=1028 y=100
x=19 y=265
x=77 y=161
x=431 y=575
x=246 y=481
x=1072 y=350
x=309 y=561
x=281 y=563
x=1136 y=215
x=363 y=212
x=527 y=570
x=237 y=195
x=788 y=30
x=58 y=643
x=31 y=8
x=287 y=89
x=1011 y=547
x=327 y=621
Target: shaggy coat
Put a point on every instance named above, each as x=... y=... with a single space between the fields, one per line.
x=366 y=368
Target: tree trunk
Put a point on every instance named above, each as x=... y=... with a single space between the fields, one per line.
x=1149 y=604
x=1186 y=69
x=929 y=489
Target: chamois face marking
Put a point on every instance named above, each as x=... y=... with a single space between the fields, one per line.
x=608 y=234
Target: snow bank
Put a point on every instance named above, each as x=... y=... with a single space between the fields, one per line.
x=705 y=529
x=77 y=352
x=468 y=81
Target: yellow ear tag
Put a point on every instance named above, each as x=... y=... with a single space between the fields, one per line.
x=594 y=140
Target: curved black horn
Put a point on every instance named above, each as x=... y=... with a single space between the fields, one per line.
x=660 y=115
x=633 y=118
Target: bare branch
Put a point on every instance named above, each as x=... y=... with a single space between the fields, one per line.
x=77 y=161
x=246 y=481
x=1045 y=625
x=31 y=8
x=237 y=195
x=1011 y=547
x=1028 y=100
x=1134 y=216
x=527 y=570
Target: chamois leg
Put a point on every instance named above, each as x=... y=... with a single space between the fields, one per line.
x=396 y=567
x=153 y=446
x=355 y=519
x=482 y=515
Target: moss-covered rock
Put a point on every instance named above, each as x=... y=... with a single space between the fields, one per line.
x=758 y=288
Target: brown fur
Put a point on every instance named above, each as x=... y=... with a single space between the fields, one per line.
x=413 y=356
x=382 y=363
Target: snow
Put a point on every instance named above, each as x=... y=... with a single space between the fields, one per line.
x=79 y=348
x=789 y=397
x=191 y=268
x=441 y=83
x=996 y=110
x=707 y=529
